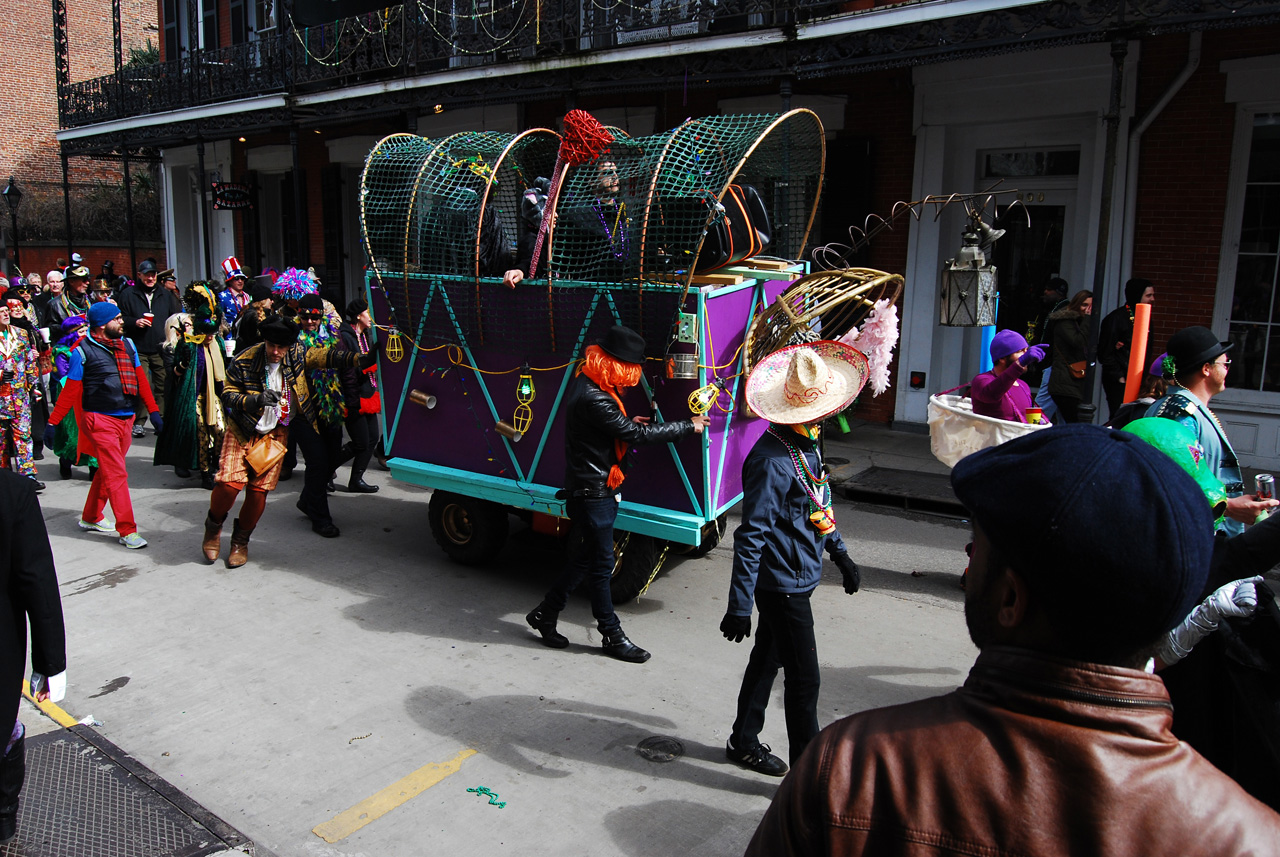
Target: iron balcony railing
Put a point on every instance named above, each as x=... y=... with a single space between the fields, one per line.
x=413 y=39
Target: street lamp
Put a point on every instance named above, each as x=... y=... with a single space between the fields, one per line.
x=13 y=196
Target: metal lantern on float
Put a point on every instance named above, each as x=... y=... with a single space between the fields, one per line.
x=968 y=282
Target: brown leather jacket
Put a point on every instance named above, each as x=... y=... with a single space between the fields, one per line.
x=1034 y=756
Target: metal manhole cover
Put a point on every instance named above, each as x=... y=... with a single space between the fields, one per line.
x=660 y=748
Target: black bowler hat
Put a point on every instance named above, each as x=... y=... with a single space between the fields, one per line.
x=624 y=344
x=1192 y=347
x=278 y=330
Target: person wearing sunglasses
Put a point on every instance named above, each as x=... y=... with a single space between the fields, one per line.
x=1198 y=364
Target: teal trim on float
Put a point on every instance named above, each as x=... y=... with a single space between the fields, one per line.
x=632 y=517
x=408 y=376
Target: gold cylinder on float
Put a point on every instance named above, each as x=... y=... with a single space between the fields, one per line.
x=418 y=397
x=509 y=431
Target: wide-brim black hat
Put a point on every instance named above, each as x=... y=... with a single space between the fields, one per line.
x=624 y=344
x=1192 y=347
x=278 y=330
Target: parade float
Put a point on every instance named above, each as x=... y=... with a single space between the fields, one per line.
x=691 y=237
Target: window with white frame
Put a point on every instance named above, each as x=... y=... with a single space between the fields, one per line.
x=1255 y=305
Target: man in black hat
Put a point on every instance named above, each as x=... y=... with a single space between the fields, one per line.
x=145 y=308
x=265 y=391
x=1115 y=338
x=1199 y=364
x=1059 y=741
x=72 y=300
x=597 y=435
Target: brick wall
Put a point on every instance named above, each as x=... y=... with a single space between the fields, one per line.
x=1182 y=179
x=43 y=258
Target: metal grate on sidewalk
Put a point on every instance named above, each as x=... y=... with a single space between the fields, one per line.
x=84 y=797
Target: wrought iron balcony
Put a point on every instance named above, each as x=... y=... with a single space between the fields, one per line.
x=410 y=40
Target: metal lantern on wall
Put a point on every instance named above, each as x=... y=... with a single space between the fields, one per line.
x=968 y=282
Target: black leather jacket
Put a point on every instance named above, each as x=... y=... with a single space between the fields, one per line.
x=592 y=423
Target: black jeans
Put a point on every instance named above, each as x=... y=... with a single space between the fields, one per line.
x=784 y=638
x=321 y=451
x=1067 y=408
x=1113 y=389
x=363 y=429
x=591 y=556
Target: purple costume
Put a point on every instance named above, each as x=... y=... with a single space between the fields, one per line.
x=1002 y=396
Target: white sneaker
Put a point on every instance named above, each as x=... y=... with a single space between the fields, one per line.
x=103 y=526
x=133 y=541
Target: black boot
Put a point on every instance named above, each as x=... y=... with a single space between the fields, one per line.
x=357 y=485
x=64 y=468
x=543 y=620
x=206 y=481
x=618 y=646
x=182 y=473
x=13 y=770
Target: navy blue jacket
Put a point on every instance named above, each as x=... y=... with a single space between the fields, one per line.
x=776 y=549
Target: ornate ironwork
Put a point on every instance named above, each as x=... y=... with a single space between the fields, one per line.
x=417 y=39
x=61 y=54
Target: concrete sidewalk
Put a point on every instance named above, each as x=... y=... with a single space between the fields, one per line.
x=877 y=464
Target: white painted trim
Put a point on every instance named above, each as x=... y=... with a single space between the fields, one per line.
x=1228 y=256
x=276 y=158
x=1252 y=79
x=262 y=102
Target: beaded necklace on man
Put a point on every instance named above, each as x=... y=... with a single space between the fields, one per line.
x=815 y=486
x=618 y=235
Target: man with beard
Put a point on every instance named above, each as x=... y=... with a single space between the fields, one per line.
x=144 y=307
x=266 y=390
x=104 y=377
x=73 y=299
x=1059 y=741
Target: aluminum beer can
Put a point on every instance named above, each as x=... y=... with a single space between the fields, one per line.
x=1265 y=486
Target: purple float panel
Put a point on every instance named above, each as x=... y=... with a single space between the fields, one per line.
x=475 y=381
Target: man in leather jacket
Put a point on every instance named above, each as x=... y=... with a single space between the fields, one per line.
x=1059 y=741
x=598 y=433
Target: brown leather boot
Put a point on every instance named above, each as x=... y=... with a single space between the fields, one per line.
x=239 y=545
x=212 y=537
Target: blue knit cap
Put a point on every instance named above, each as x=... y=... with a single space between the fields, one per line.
x=1114 y=536
x=101 y=313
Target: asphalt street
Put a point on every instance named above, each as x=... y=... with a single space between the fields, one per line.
x=364 y=695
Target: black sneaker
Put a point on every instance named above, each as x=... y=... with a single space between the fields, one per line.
x=757 y=759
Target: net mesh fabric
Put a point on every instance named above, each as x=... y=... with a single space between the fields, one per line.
x=443 y=219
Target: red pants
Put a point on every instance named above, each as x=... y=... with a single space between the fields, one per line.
x=110 y=437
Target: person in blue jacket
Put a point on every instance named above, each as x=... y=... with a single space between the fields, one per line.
x=777 y=551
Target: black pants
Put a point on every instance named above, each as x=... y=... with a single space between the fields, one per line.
x=1067 y=408
x=13 y=770
x=1113 y=389
x=153 y=368
x=590 y=556
x=321 y=451
x=784 y=638
x=363 y=429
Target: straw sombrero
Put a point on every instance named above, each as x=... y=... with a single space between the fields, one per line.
x=806 y=383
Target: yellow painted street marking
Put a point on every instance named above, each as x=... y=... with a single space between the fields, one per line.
x=51 y=709
x=349 y=821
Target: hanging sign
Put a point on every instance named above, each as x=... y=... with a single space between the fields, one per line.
x=232 y=195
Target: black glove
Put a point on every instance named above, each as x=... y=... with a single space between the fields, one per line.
x=849 y=571
x=367 y=360
x=269 y=398
x=735 y=627
x=50 y=435
x=157 y=422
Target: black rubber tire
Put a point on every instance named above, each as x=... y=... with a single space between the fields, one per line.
x=638 y=559
x=712 y=535
x=469 y=530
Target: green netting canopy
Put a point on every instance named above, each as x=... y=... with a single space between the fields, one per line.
x=645 y=215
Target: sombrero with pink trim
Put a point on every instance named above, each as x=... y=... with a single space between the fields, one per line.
x=806 y=383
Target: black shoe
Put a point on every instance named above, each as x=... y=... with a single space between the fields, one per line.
x=757 y=759
x=206 y=482
x=618 y=646
x=93 y=471
x=64 y=468
x=329 y=531
x=39 y=455
x=545 y=624
x=359 y=486
x=39 y=484
x=286 y=473
x=182 y=473
x=331 y=488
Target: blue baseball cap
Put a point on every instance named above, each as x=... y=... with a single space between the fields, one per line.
x=1113 y=535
